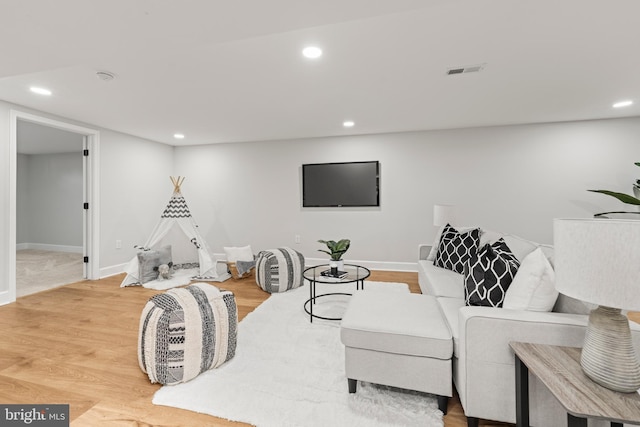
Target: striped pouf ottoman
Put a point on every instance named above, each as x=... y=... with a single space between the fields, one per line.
x=185 y=332
x=279 y=270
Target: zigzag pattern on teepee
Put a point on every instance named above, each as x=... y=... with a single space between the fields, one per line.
x=176 y=208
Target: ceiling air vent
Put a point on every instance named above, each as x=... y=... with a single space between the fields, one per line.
x=105 y=76
x=465 y=70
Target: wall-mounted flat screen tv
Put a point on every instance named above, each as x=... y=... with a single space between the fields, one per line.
x=353 y=184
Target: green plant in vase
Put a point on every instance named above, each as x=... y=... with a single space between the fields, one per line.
x=624 y=198
x=335 y=250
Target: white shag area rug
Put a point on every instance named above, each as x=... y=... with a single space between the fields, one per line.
x=289 y=372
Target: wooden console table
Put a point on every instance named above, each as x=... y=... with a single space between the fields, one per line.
x=558 y=368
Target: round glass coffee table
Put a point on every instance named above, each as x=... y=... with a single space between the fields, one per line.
x=318 y=274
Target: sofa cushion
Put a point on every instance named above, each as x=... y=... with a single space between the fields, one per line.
x=548 y=251
x=394 y=322
x=450 y=308
x=440 y=282
x=533 y=288
x=488 y=274
x=520 y=247
x=455 y=248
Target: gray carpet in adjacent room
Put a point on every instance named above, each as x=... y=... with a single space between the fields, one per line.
x=38 y=270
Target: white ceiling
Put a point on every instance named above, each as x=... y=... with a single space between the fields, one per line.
x=228 y=71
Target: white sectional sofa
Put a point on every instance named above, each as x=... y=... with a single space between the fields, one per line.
x=483 y=363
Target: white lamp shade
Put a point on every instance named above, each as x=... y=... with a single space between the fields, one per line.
x=598 y=261
x=443 y=215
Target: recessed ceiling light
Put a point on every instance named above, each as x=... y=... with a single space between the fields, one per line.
x=622 y=104
x=40 y=90
x=348 y=124
x=178 y=136
x=312 y=52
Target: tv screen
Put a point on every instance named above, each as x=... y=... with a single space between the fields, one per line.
x=353 y=184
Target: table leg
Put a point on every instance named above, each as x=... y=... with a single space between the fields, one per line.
x=312 y=286
x=522 y=394
x=573 y=421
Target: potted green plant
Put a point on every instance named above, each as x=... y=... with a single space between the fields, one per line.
x=624 y=198
x=336 y=249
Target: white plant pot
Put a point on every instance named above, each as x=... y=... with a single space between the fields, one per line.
x=339 y=264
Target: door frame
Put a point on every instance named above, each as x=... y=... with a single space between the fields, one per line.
x=91 y=182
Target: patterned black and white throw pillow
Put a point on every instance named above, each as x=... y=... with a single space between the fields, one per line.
x=503 y=250
x=455 y=248
x=488 y=274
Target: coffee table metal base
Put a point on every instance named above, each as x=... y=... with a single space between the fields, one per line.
x=311 y=302
x=308 y=304
x=316 y=274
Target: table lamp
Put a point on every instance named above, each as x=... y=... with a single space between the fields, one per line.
x=598 y=261
x=443 y=215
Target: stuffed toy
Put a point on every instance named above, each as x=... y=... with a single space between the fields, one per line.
x=164 y=271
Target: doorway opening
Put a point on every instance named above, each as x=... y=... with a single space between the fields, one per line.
x=84 y=241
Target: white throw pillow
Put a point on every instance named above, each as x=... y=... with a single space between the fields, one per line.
x=243 y=253
x=533 y=288
x=519 y=246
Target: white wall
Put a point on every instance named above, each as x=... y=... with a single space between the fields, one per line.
x=49 y=201
x=135 y=186
x=513 y=178
x=135 y=189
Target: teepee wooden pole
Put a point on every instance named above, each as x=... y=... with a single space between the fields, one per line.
x=177 y=182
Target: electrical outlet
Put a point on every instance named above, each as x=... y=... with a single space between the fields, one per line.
x=118 y=244
x=297 y=238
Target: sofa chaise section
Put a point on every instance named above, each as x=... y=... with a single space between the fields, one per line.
x=483 y=363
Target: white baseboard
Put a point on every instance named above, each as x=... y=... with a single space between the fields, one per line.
x=48 y=247
x=113 y=270
x=371 y=265
x=5 y=298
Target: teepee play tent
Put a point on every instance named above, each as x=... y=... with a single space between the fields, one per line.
x=175 y=239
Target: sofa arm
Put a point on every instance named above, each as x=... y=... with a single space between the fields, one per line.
x=485 y=374
x=486 y=331
x=423 y=251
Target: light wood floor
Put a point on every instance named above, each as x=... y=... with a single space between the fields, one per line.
x=77 y=344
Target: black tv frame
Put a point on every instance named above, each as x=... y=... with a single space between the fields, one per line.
x=307 y=166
